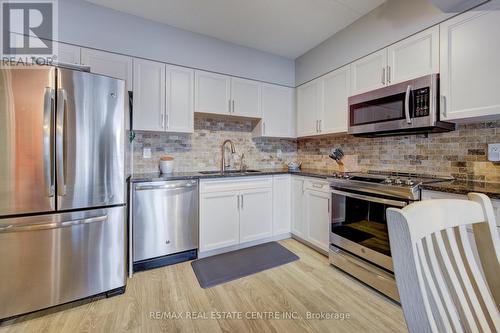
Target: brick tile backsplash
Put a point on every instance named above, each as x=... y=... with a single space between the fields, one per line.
x=462 y=153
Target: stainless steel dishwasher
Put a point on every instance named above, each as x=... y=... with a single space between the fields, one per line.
x=164 y=223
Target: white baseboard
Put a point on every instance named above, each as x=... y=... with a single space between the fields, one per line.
x=244 y=245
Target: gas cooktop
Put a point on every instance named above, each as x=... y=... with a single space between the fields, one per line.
x=394 y=184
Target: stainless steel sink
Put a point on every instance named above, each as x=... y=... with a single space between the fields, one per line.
x=229 y=172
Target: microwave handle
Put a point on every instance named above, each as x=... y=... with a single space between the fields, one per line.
x=407 y=104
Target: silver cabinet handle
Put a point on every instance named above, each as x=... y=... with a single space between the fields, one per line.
x=229 y=105
x=443 y=106
x=51 y=225
x=48 y=116
x=383 y=75
x=320 y=123
x=242 y=202
x=238 y=202
x=317 y=126
x=263 y=127
x=328 y=205
x=233 y=105
x=317 y=185
x=168 y=120
x=388 y=74
x=61 y=138
x=165 y=186
x=162 y=120
x=407 y=104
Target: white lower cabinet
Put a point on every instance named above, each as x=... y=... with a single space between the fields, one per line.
x=282 y=210
x=219 y=216
x=311 y=211
x=318 y=218
x=298 y=204
x=235 y=211
x=256 y=214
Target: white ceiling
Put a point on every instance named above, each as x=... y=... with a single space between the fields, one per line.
x=287 y=28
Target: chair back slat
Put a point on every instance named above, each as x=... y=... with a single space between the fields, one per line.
x=434 y=296
x=448 y=289
x=443 y=288
x=482 y=288
x=462 y=305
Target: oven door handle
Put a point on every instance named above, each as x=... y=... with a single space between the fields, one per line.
x=407 y=104
x=395 y=203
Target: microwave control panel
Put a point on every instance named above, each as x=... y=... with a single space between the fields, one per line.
x=421 y=101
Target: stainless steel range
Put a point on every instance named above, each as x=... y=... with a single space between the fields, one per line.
x=359 y=240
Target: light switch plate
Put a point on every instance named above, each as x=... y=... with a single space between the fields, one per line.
x=494 y=152
x=146 y=152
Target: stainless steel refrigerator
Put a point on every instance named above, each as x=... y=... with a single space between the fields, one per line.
x=62 y=187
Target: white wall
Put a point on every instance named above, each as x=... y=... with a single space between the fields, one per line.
x=388 y=23
x=85 y=24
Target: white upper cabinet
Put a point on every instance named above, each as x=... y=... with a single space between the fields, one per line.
x=413 y=57
x=179 y=99
x=309 y=102
x=336 y=88
x=212 y=93
x=109 y=64
x=68 y=54
x=369 y=73
x=278 y=112
x=149 y=96
x=245 y=98
x=470 y=66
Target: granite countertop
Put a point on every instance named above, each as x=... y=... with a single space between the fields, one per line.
x=156 y=176
x=455 y=186
x=463 y=187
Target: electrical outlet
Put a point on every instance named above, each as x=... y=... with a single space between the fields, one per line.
x=146 y=152
x=279 y=154
x=494 y=152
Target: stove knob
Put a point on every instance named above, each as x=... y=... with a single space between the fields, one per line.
x=409 y=182
x=398 y=181
x=388 y=181
x=346 y=176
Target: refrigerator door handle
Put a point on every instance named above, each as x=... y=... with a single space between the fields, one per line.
x=61 y=141
x=48 y=140
x=51 y=225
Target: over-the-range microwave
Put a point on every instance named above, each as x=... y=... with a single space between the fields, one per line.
x=410 y=107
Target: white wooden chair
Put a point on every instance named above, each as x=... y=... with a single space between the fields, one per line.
x=443 y=286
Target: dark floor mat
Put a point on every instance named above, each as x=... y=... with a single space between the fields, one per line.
x=233 y=265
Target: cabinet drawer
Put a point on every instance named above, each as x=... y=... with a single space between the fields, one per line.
x=317 y=185
x=230 y=184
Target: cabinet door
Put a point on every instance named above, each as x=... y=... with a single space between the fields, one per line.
x=281 y=204
x=278 y=111
x=318 y=218
x=246 y=96
x=179 y=103
x=68 y=54
x=219 y=220
x=256 y=214
x=309 y=100
x=470 y=66
x=298 y=223
x=413 y=57
x=369 y=73
x=212 y=93
x=109 y=64
x=149 y=95
x=336 y=87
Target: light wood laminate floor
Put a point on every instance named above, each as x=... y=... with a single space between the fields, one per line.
x=307 y=285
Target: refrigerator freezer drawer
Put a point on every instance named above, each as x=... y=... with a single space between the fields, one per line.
x=165 y=218
x=53 y=259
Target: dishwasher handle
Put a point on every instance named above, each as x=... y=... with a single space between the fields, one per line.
x=166 y=186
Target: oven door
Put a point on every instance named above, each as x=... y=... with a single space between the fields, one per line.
x=359 y=226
